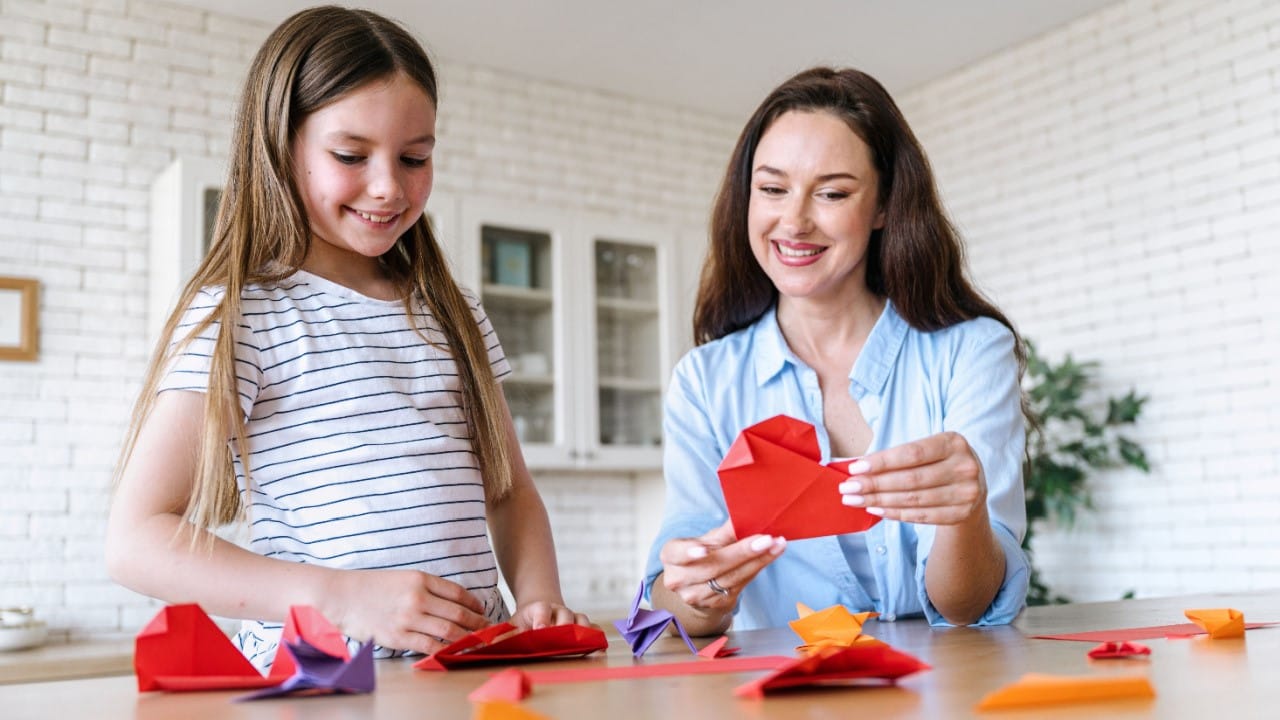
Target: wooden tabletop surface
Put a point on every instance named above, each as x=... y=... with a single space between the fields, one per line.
x=1193 y=678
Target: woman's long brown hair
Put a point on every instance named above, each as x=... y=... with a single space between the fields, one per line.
x=916 y=260
x=262 y=235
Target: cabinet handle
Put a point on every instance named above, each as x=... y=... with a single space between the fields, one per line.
x=573 y=454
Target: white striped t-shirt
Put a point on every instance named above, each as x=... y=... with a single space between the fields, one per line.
x=360 y=454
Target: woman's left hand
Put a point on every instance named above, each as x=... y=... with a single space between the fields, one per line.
x=937 y=480
x=541 y=613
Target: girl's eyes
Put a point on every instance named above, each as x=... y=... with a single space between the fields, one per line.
x=347 y=159
x=833 y=195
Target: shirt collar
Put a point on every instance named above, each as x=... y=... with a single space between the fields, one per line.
x=871 y=370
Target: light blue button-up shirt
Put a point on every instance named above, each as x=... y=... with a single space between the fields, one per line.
x=908 y=385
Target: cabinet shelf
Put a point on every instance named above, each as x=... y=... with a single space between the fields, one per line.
x=632 y=385
x=513 y=294
x=530 y=380
x=630 y=308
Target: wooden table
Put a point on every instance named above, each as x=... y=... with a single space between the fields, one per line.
x=1194 y=678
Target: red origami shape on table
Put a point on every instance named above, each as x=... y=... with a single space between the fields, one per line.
x=511 y=685
x=306 y=623
x=1112 y=650
x=774 y=484
x=504 y=643
x=716 y=648
x=857 y=662
x=182 y=649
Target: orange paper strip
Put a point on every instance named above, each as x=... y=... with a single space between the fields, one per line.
x=501 y=710
x=1035 y=689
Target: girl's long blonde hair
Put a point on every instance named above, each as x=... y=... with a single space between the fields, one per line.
x=262 y=235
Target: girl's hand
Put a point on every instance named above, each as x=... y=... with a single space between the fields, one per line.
x=403 y=609
x=689 y=565
x=936 y=481
x=541 y=613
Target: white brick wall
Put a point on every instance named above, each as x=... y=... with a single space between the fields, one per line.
x=1118 y=181
x=96 y=97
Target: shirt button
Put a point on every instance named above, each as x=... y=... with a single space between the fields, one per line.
x=880 y=549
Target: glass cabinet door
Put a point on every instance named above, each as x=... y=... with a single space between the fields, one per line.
x=629 y=344
x=517 y=281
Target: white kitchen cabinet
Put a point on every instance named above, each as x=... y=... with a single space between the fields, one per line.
x=184 y=205
x=583 y=307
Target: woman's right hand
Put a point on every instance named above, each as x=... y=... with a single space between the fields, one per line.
x=689 y=565
x=403 y=609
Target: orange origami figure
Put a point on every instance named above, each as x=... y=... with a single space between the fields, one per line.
x=832 y=627
x=1035 y=689
x=1219 y=622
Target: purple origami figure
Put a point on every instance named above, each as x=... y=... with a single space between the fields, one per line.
x=643 y=627
x=320 y=671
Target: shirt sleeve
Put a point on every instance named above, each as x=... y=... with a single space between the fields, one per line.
x=497 y=357
x=690 y=455
x=187 y=367
x=984 y=404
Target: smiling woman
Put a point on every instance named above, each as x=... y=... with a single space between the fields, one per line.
x=834 y=284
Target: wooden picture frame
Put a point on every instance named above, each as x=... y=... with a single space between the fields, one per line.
x=19 y=318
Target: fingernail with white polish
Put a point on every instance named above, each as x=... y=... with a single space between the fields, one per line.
x=761 y=542
x=697 y=552
x=875 y=511
x=858 y=466
x=850 y=486
x=854 y=500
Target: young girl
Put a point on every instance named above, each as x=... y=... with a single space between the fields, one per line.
x=327 y=379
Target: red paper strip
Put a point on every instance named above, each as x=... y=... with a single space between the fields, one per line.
x=1139 y=633
x=629 y=672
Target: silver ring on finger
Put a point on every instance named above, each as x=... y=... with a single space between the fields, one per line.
x=716 y=588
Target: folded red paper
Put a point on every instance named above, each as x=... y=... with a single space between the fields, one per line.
x=182 y=649
x=857 y=662
x=716 y=648
x=305 y=622
x=775 y=484
x=1114 y=650
x=510 y=685
x=504 y=643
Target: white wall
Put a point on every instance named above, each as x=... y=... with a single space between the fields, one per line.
x=96 y=97
x=1118 y=181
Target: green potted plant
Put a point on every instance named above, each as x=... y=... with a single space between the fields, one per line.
x=1070 y=436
